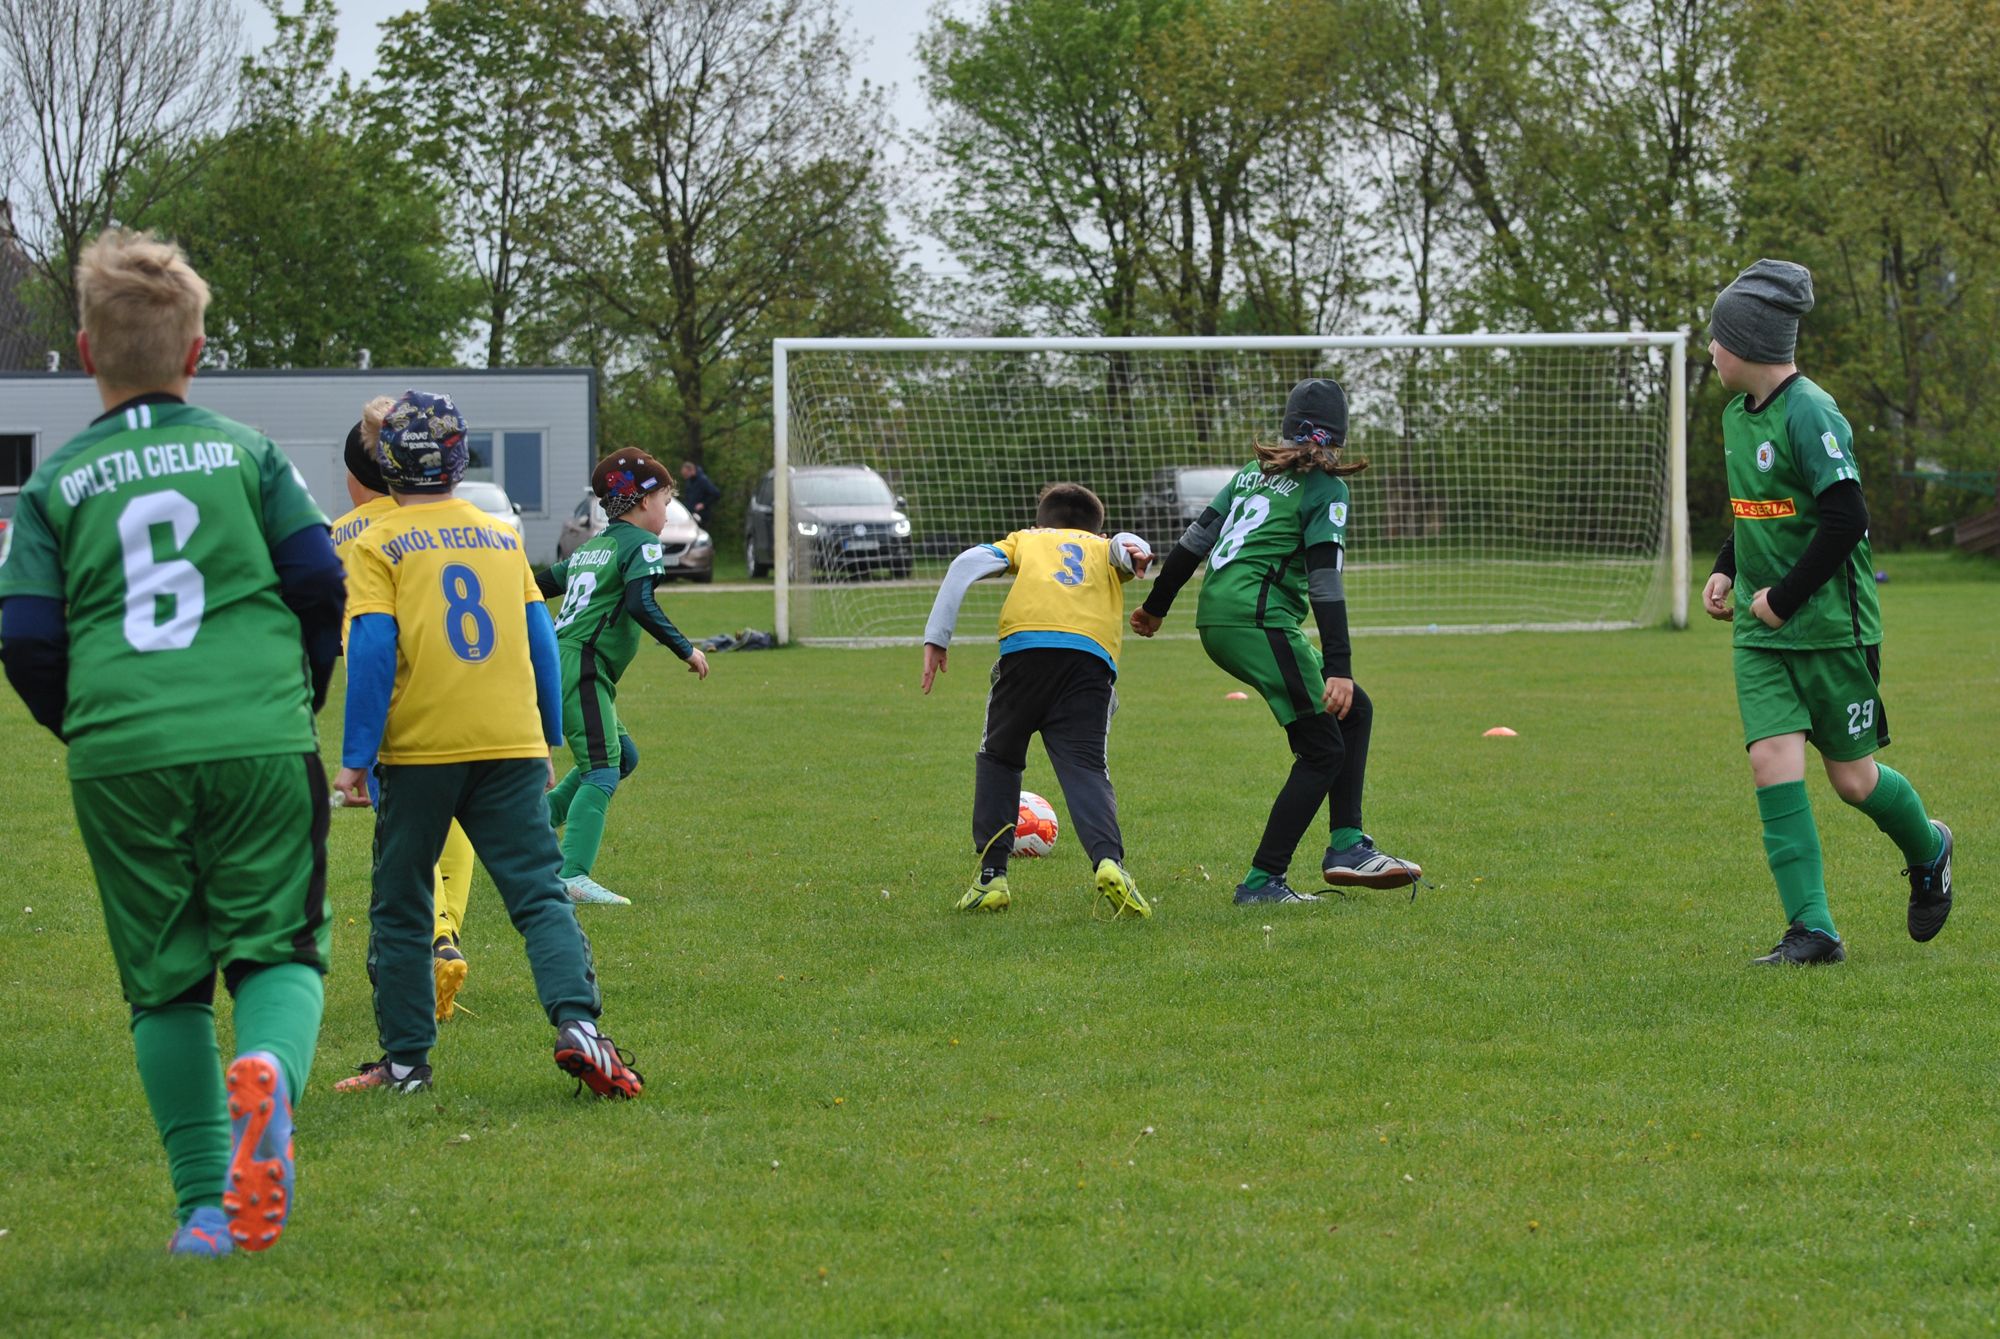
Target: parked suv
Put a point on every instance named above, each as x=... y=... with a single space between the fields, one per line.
x=1173 y=500
x=690 y=553
x=845 y=522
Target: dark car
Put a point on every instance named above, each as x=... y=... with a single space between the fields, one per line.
x=690 y=553
x=1173 y=500
x=845 y=522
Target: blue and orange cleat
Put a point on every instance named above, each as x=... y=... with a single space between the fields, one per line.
x=257 y=1191
x=205 y=1234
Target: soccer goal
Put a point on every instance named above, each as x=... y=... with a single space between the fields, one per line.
x=1515 y=482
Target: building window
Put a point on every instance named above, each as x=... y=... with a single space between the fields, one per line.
x=17 y=458
x=512 y=459
x=521 y=464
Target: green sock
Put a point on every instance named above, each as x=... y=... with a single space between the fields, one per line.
x=277 y=1010
x=1257 y=878
x=180 y=1068
x=563 y=796
x=585 y=832
x=1343 y=838
x=1791 y=844
x=1897 y=810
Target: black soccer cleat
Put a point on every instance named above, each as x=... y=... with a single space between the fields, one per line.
x=1277 y=890
x=1930 y=891
x=1802 y=948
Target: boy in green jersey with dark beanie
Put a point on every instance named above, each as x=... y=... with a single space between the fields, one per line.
x=171 y=608
x=607 y=589
x=1808 y=630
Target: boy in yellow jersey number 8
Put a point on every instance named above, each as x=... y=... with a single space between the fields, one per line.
x=454 y=700
x=369 y=493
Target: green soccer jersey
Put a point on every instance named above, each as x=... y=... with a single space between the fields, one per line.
x=1780 y=459
x=155 y=527
x=1257 y=569
x=594 y=580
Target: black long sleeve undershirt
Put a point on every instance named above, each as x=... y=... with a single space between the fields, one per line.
x=1843 y=523
x=1329 y=606
x=646 y=612
x=1181 y=564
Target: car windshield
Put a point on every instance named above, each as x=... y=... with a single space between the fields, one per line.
x=485 y=496
x=7 y=501
x=1200 y=485
x=841 y=490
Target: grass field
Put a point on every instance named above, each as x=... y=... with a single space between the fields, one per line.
x=1545 y=1097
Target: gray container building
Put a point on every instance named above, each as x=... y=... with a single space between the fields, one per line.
x=533 y=430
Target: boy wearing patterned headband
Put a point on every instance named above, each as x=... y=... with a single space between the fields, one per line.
x=454 y=699
x=607 y=589
x=369 y=493
x=1275 y=539
x=1808 y=629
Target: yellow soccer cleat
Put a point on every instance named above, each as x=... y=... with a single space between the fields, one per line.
x=990 y=896
x=1117 y=893
x=448 y=969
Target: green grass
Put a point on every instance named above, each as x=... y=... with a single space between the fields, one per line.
x=1546 y=1097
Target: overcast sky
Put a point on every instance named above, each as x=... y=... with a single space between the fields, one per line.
x=886 y=33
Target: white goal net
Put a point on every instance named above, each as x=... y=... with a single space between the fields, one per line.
x=1514 y=482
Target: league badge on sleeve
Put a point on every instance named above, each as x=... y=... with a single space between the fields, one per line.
x=1832 y=445
x=1337 y=513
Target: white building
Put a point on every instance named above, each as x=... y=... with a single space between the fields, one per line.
x=533 y=430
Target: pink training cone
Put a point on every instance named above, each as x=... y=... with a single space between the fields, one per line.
x=1501 y=732
x=1236 y=697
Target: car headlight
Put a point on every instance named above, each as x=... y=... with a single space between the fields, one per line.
x=701 y=541
x=899 y=525
x=807 y=528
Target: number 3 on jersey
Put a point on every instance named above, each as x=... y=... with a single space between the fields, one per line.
x=1072 y=568
x=462 y=606
x=1245 y=515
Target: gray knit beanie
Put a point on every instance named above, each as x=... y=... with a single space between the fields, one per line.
x=1757 y=316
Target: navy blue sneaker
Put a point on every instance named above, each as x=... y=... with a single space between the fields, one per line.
x=205 y=1233
x=1277 y=890
x=1930 y=891
x=1802 y=948
x=1362 y=866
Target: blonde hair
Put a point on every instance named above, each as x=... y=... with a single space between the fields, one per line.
x=372 y=415
x=142 y=306
x=1298 y=457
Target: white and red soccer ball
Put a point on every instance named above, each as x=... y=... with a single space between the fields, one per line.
x=1035 y=829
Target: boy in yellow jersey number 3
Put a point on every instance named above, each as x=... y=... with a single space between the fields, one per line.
x=1060 y=632
x=454 y=699
x=369 y=493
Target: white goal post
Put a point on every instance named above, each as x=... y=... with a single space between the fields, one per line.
x=1516 y=482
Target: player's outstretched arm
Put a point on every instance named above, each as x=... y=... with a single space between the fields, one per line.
x=34 y=646
x=1180 y=565
x=1130 y=555
x=646 y=612
x=975 y=564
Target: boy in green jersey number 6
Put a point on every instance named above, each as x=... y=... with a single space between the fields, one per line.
x=1808 y=630
x=1274 y=539
x=607 y=589
x=165 y=566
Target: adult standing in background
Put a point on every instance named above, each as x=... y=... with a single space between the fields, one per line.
x=700 y=494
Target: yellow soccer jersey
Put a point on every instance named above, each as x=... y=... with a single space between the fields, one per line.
x=345 y=531
x=459 y=588
x=1067 y=592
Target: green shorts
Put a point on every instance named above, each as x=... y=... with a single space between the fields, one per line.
x=590 y=709
x=207 y=865
x=1832 y=696
x=1279 y=663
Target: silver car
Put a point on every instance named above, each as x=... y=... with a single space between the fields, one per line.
x=690 y=553
x=492 y=499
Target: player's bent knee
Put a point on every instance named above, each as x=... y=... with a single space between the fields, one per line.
x=1853 y=781
x=604 y=778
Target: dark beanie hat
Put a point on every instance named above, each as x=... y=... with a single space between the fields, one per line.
x=1757 y=316
x=361 y=464
x=624 y=479
x=1316 y=411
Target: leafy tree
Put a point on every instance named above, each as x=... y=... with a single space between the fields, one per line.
x=487 y=92
x=317 y=240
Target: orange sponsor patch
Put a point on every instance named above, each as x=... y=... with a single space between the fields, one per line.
x=1754 y=510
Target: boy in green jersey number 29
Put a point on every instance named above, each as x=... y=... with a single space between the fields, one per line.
x=1808 y=630
x=166 y=566
x=1274 y=539
x=607 y=589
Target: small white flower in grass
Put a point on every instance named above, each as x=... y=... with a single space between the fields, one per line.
x=774 y=1164
x=1244 y=1186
